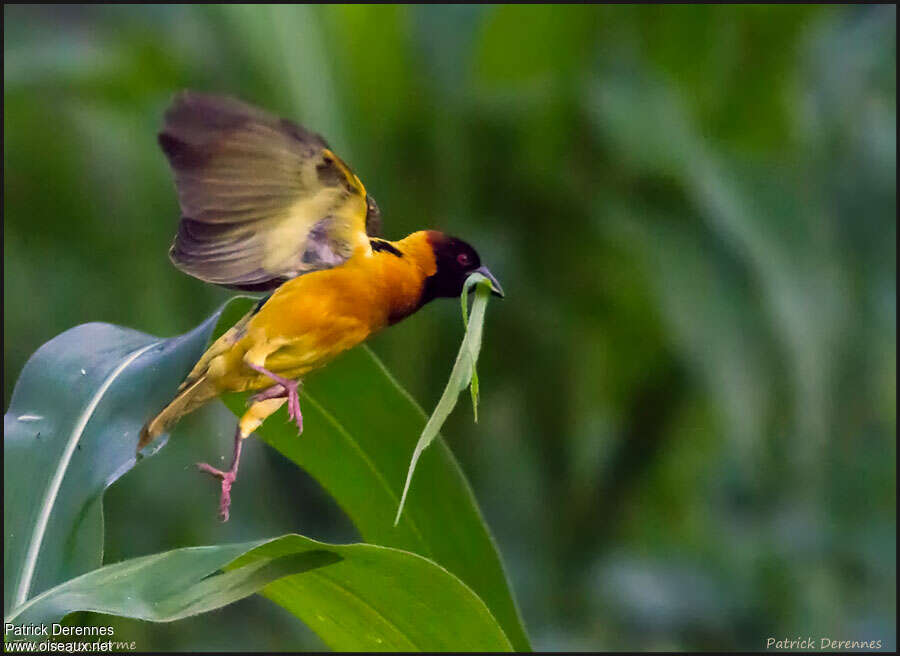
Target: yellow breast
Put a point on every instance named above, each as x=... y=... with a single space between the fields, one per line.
x=313 y=318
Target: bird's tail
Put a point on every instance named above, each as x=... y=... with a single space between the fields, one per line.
x=187 y=400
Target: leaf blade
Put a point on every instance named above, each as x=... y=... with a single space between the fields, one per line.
x=70 y=432
x=361 y=426
x=462 y=375
x=357 y=399
x=386 y=599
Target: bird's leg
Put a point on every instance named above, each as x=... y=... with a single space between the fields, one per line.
x=275 y=392
x=252 y=419
x=227 y=477
x=292 y=388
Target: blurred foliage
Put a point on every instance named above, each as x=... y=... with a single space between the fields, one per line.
x=688 y=410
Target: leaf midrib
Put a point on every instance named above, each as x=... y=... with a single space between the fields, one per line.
x=52 y=491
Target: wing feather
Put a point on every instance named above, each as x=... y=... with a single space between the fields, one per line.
x=263 y=199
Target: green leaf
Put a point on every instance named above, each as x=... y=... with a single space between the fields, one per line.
x=357 y=597
x=88 y=424
x=461 y=375
x=379 y=598
x=163 y=587
x=359 y=429
x=70 y=431
x=472 y=280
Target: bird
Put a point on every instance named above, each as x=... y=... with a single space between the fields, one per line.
x=267 y=206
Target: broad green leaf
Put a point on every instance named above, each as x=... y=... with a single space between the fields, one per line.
x=69 y=433
x=359 y=430
x=379 y=598
x=462 y=374
x=357 y=597
x=163 y=587
x=88 y=424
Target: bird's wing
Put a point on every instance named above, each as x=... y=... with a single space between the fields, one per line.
x=262 y=198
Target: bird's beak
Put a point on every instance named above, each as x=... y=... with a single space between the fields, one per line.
x=496 y=289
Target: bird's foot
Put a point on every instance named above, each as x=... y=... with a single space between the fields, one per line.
x=227 y=478
x=290 y=388
x=275 y=392
x=293 y=390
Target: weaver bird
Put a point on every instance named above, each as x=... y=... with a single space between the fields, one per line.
x=267 y=205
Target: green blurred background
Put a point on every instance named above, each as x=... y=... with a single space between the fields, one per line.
x=687 y=437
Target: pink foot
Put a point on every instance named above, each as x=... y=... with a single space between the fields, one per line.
x=227 y=477
x=288 y=387
x=227 y=480
x=294 y=406
x=275 y=392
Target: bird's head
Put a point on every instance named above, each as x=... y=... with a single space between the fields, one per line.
x=455 y=261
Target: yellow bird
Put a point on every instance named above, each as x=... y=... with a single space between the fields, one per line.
x=267 y=205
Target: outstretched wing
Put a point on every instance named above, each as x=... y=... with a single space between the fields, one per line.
x=262 y=198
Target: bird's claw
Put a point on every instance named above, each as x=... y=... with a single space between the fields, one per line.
x=273 y=392
x=288 y=388
x=294 y=406
x=227 y=478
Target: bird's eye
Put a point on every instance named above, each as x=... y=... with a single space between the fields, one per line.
x=463 y=259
